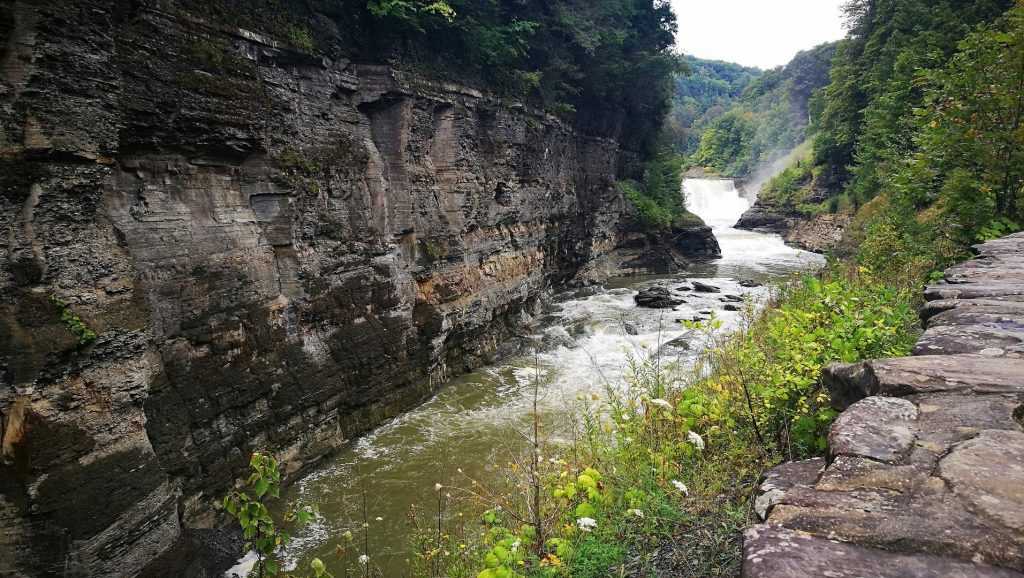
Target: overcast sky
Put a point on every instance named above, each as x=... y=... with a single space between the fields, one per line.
x=762 y=33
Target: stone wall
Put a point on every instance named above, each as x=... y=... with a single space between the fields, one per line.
x=214 y=243
x=925 y=472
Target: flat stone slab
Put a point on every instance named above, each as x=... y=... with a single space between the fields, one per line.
x=987 y=472
x=974 y=290
x=775 y=552
x=993 y=306
x=880 y=428
x=901 y=376
x=995 y=339
x=784 y=477
x=926 y=470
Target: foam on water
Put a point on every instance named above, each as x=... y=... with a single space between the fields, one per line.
x=474 y=421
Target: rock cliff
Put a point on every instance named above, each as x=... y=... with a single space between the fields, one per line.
x=818 y=233
x=925 y=475
x=216 y=243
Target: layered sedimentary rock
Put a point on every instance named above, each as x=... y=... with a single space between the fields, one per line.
x=817 y=233
x=925 y=476
x=214 y=243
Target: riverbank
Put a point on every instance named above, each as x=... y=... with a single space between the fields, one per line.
x=586 y=341
x=924 y=474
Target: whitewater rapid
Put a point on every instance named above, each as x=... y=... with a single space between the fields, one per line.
x=472 y=423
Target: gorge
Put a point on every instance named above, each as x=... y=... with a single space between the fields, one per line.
x=218 y=243
x=509 y=289
x=583 y=344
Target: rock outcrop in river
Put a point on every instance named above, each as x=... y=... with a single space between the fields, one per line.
x=925 y=475
x=818 y=233
x=216 y=243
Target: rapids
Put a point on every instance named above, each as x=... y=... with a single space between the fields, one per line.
x=471 y=424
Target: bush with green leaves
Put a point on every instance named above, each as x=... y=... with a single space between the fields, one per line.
x=262 y=533
x=657 y=195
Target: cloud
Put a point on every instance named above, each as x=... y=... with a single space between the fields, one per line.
x=762 y=33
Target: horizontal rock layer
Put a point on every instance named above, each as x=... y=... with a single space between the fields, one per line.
x=818 y=233
x=925 y=475
x=216 y=244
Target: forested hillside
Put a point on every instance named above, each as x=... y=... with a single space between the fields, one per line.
x=704 y=91
x=919 y=131
x=770 y=118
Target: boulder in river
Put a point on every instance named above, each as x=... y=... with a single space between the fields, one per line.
x=749 y=283
x=630 y=328
x=678 y=343
x=702 y=287
x=657 y=298
x=732 y=307
x=732 y=298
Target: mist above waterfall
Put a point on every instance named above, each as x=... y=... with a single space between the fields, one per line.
x=751 y=186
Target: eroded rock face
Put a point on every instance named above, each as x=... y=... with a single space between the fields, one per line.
x=817 y=233
x=927 y=461
x=217 y=244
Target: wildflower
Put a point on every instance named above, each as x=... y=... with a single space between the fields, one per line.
x=586 y=524
x=635 y=513
x=347 y=535
x=379 y=519
x=437 y=487
x=364 y=559
x=681 y=487
x=661 y=403
x=696 y=440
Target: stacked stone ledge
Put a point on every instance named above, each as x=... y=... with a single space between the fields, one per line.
x=925 y=472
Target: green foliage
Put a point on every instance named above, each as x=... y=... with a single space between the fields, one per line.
x=261 y=532
x=658 y=196
x=770 y=118
x=960 y=177
x=300 y=37
x=866 y=121
x=411 y=12
x=580 y=59
x=74 y=323
x=793 y=189
x=705 y=90
x=845 y=317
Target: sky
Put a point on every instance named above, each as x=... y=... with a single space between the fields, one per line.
x=762 y=33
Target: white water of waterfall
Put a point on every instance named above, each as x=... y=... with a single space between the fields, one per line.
x=586 y=341
x=720 y=204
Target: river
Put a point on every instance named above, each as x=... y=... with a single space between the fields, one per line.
x=471 y=423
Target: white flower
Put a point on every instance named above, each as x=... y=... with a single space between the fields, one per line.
x=379 y=519
x=696 y=440
x=635 y=512
x=515 y=546
x=661 y=403
x=364 y=559
x=586 y=524
x=681 y=487
x=437 y=487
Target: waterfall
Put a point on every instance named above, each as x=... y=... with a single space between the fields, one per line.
x=717 y=201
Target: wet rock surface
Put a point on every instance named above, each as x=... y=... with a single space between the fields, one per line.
x=817 y=233
x=215 y=243
x=657 y=297
x=701 y=287
x=926 y=471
